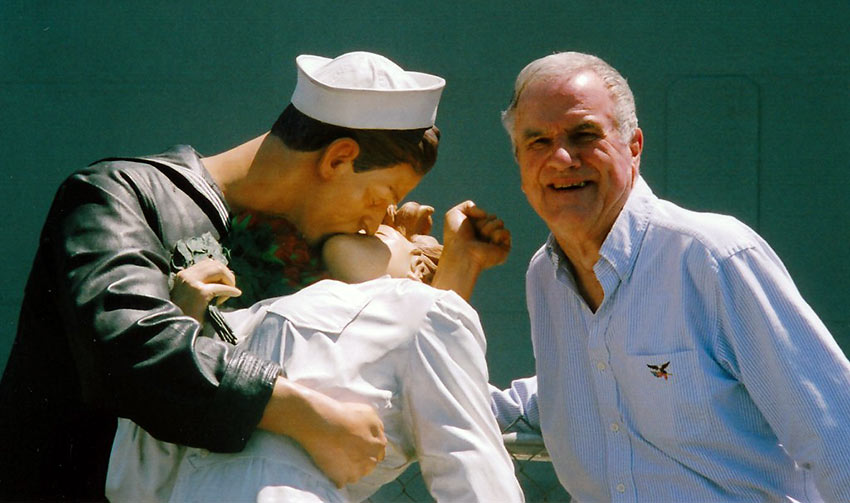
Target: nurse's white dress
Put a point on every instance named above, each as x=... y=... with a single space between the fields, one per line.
x=414 y=352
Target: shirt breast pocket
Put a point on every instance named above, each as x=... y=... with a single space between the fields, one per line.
x=662 y=396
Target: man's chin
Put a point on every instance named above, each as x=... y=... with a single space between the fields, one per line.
x=316 y=239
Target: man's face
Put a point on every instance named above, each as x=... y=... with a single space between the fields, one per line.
x=351 y=202
x=576 y=170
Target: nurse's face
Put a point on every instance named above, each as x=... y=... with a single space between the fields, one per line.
x=406 y=258
x=357 y=257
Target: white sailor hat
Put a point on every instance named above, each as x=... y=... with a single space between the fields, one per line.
x=362 y=90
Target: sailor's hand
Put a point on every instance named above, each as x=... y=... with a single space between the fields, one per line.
x=197 y=285
x=346 y=440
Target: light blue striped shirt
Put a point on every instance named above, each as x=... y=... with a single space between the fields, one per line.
x=754 y=403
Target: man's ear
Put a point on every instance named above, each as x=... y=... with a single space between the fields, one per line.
x=339 y=155
x=636 y=147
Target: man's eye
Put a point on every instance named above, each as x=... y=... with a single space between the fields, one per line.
x=539 y=143
x=584 y=137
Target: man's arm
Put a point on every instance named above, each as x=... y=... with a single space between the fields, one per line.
x=791 y=366
x=140 y=357
x=137 y=354
x=516 y=407
x=345 y=440
x=446 y=402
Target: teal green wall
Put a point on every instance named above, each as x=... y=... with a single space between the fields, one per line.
x=744 y=106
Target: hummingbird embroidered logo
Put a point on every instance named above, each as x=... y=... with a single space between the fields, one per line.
x=660 y=371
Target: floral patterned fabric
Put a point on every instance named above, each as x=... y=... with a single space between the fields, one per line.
x=270 y=258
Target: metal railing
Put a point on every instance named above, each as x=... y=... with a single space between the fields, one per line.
x=531 y=462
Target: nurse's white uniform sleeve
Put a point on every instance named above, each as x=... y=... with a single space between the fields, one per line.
x=458 y=442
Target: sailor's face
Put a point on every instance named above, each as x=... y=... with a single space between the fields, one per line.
x=356 y=202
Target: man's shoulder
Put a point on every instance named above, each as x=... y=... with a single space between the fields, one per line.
x=170 y=191
x=114 y=171
x=156 y=179
x=541 y=261
x=179 y=157
x=717 y=234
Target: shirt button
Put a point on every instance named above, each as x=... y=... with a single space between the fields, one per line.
x=203 y=453
x=600 y=365
x=615 y=427
x=621 y=488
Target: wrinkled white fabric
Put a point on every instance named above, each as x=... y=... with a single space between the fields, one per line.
x=414 y=352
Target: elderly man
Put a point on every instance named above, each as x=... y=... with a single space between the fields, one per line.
x=98 y=335
x=676 y=360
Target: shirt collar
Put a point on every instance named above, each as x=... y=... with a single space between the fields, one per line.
x=185 y=155
x=554 y=252
x=186 y=161
x=621 y=246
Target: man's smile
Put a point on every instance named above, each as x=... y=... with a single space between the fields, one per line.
x=568 y=186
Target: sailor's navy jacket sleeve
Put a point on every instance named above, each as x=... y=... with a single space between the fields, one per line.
x=107 y=241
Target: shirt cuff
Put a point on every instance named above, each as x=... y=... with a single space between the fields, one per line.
x=240 y=401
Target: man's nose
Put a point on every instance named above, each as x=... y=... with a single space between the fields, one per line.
x=381 y=199
x=374 y=219
x=562 y=155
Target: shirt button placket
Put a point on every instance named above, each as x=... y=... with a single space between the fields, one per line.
x=607 y=386
x=618 y=446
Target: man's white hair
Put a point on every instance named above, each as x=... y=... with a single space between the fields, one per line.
x=567 y=64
